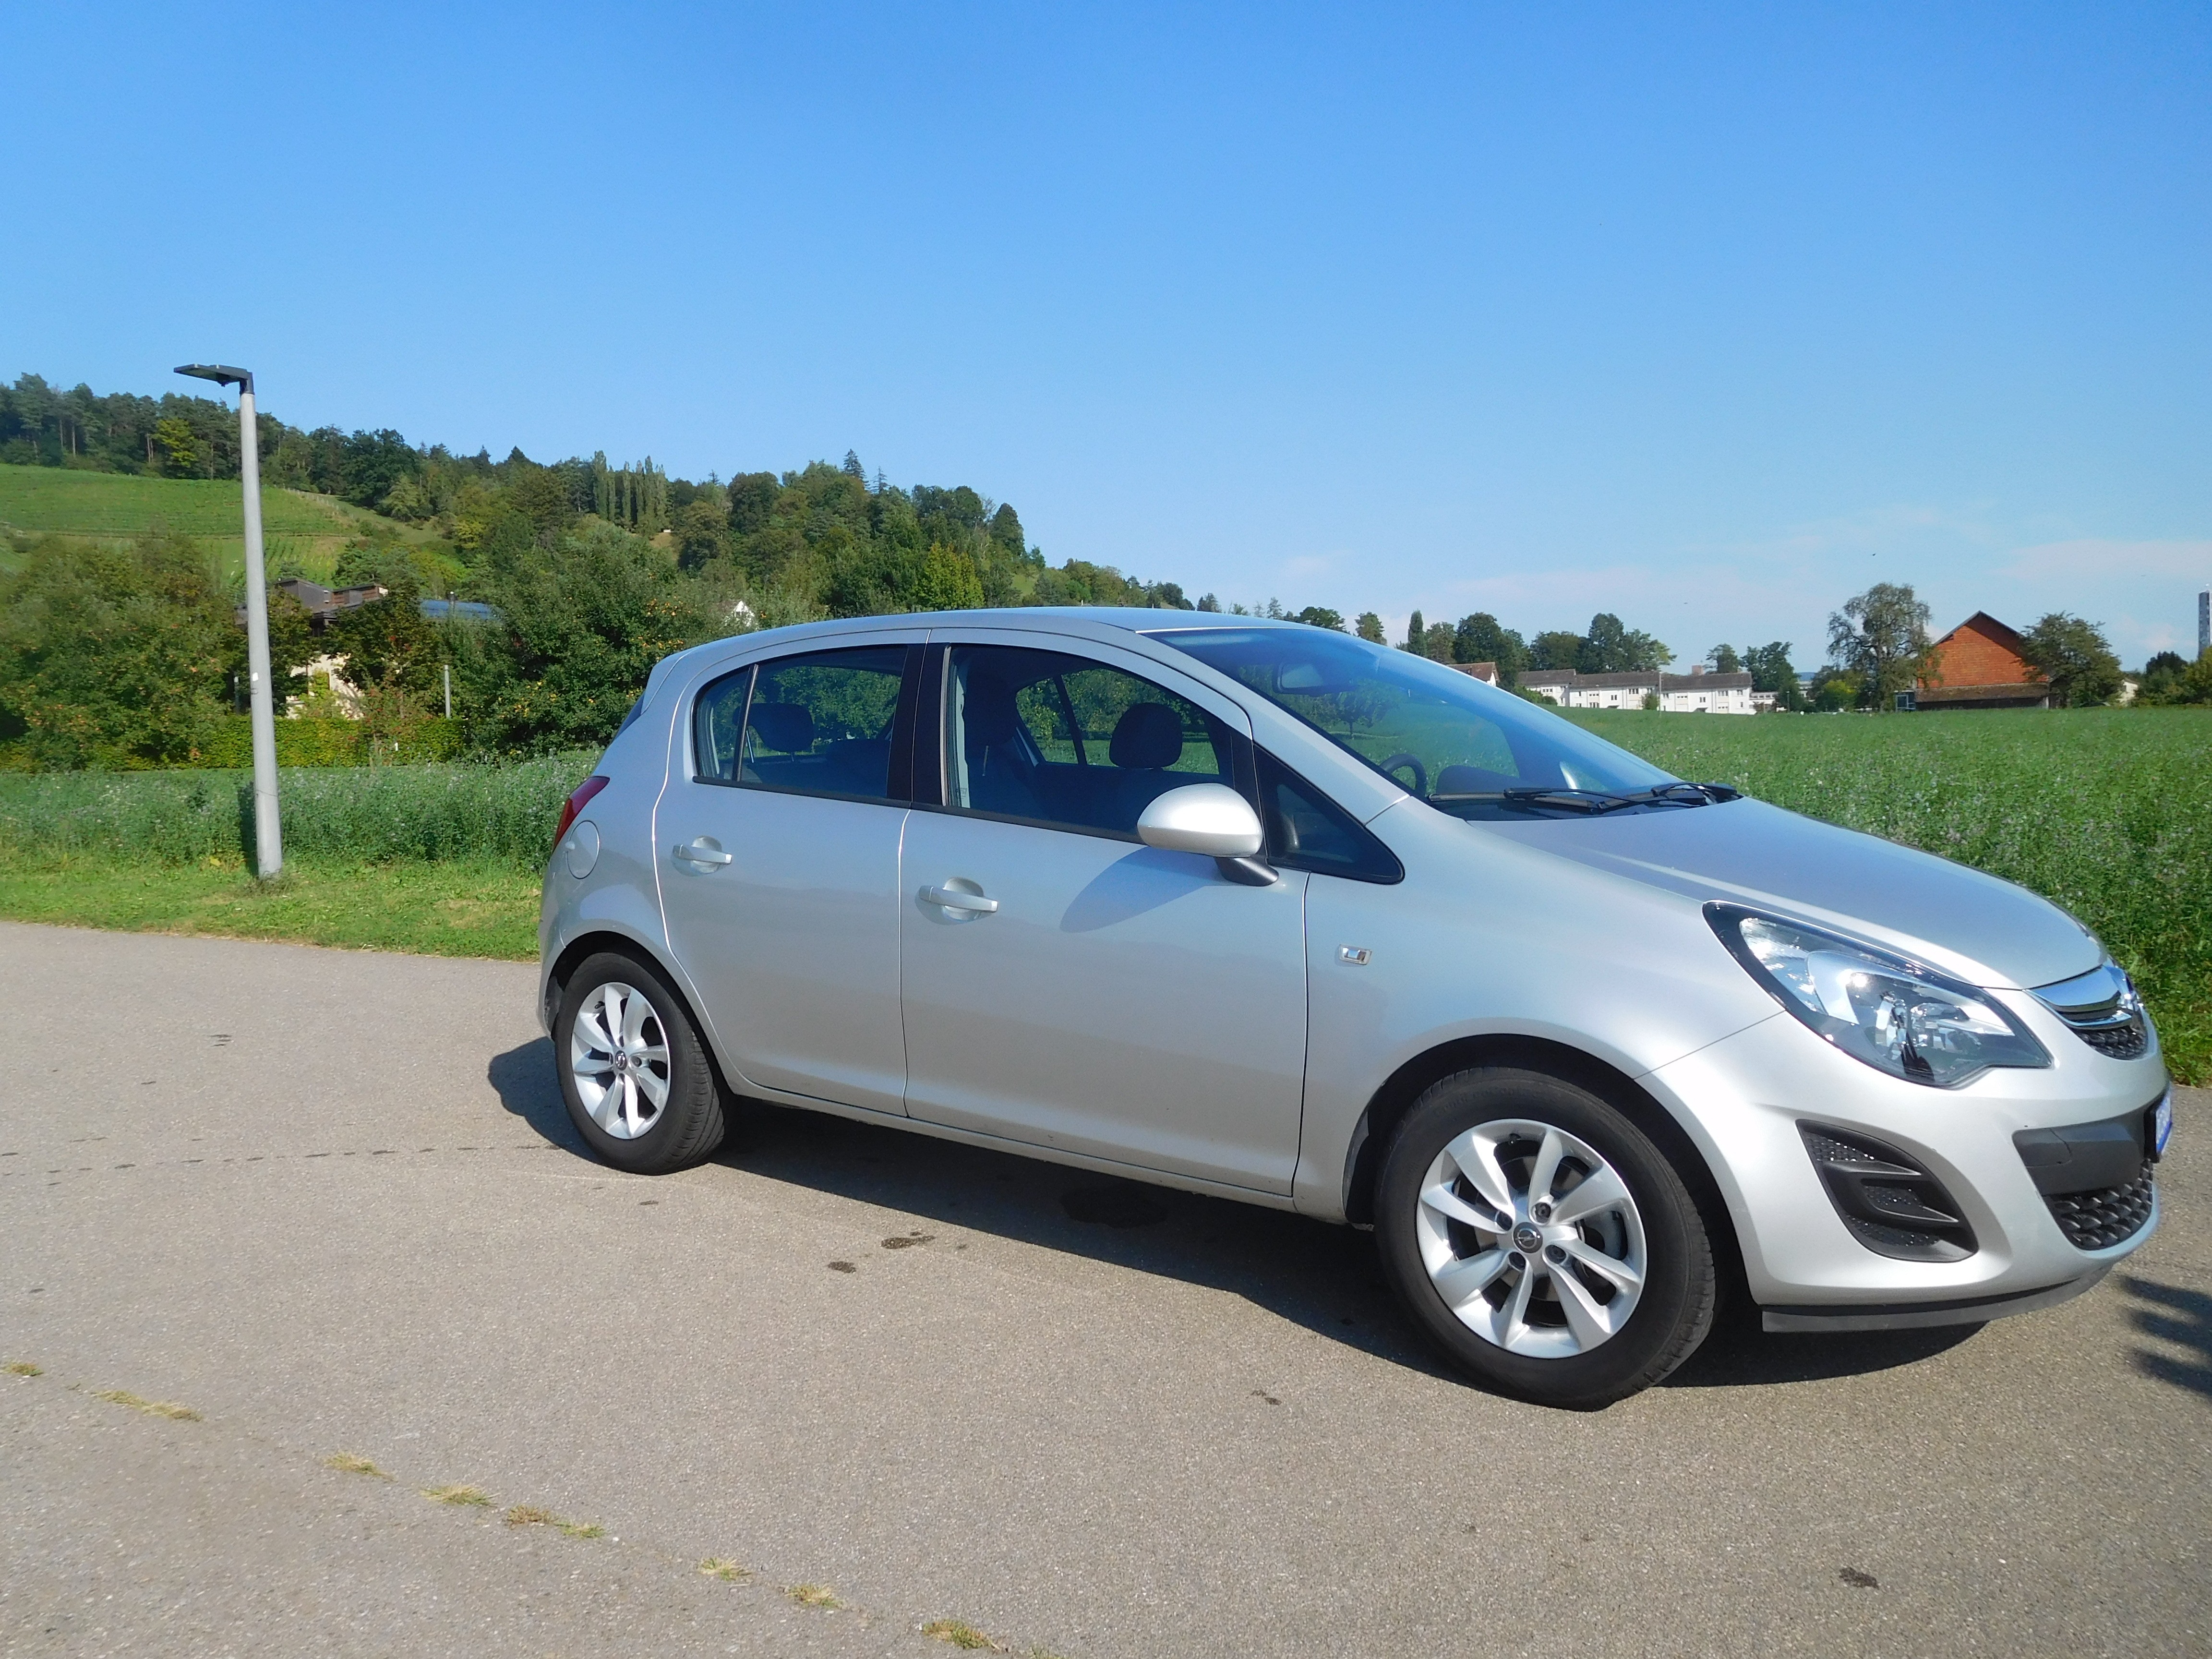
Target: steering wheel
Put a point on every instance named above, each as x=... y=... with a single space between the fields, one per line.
x=1420 y=772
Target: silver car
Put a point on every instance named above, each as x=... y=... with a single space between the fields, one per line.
x=1259 y=910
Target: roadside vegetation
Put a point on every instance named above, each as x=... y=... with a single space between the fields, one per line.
x=443 y=860
x=2105 y=812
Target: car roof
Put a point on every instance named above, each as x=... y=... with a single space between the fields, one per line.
x=1129 y=619
x=1136 y=619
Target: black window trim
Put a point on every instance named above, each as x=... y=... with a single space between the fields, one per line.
x=898 y=787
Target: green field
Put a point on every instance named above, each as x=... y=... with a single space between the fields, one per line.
x=2107 y=812
x=114 y=504
x=439 y=858
x=299 y=531
x=450 y=812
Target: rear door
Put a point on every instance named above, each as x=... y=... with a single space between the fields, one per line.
x=778 y=849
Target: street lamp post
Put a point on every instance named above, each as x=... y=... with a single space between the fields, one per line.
x=267 y=836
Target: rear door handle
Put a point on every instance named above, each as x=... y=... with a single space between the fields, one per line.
x=953 y=899
x=700 y=853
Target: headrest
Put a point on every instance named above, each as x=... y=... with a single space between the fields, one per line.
x=1149 y=735
x=784 y=726
x=987 y=708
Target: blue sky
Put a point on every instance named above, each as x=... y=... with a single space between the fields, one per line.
x=1706 y=316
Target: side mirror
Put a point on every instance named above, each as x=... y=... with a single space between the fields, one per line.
x=1212 y=821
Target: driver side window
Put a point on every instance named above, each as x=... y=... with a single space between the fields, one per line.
x=1070 y=742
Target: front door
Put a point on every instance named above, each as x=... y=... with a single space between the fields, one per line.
x=1067 y=986
x=778 y=846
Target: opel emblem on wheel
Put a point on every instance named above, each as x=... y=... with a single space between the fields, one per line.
x=1527 y=1239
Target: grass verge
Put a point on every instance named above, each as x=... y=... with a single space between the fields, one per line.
x=450 y=909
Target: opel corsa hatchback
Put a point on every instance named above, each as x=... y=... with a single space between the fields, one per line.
x=1259 y=910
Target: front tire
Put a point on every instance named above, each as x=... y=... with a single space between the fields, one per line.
x=638 y=1084
x=1541 y=1240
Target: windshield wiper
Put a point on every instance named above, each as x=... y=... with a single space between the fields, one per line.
x=1699 y=795
x=1572 y=800
x=1569 y=799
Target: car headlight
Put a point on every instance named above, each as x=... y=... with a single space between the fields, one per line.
x=1897 y=1016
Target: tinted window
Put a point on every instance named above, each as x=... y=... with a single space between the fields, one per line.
x=1307 y=830
x=1463 y=746
x=1069 y=742
x=820 y=725
x=717 y=718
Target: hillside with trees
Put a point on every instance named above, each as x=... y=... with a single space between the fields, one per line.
x=121 y=650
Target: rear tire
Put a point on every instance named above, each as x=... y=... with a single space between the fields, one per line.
x=1541 y=1240
x=639 y=1086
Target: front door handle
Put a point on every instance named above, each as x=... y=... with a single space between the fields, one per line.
x=698 y=852
x=951 y=898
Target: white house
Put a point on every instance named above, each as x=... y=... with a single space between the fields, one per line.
x=1694 y=693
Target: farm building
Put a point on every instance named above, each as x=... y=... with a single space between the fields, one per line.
x=1694 y=693
x=1978 y=665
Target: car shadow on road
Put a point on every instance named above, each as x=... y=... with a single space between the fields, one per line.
x=1326 y=1278
x=528 y=1086
x=1739 y=1354
x=2178 y=1318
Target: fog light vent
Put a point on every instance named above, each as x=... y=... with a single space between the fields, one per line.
x=1892 y=1206
x=2110 y=1215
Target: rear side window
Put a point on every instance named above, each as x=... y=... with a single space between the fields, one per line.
x=1307 y=830
x=822 y=724
x=718 y=720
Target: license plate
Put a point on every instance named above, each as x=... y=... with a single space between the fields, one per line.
x=2162 y=1125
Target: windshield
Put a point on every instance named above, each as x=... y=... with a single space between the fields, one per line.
x=1463 y=746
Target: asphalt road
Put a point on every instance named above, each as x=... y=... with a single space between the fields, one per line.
x=329 y=1202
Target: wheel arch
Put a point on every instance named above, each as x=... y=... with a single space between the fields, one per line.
x=608 y=941
x=1388 y=1105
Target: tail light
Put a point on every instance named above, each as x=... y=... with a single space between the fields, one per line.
x=578 y=799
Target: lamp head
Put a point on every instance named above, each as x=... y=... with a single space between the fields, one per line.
x=221 y=373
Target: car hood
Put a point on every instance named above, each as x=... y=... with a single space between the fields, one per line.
x=1745 y=852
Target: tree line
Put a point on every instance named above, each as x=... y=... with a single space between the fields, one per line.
x=123 y=655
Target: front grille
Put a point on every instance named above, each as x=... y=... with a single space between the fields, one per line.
x=2102 y=1008
x=2125 y=1041
x=2110 y=1215
x=1892 y=1206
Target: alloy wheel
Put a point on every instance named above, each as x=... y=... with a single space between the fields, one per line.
x=618 y=1050
x=1532 y=1238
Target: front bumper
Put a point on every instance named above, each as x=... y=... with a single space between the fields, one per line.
x=1743 y=1099
x=1917 y=1316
